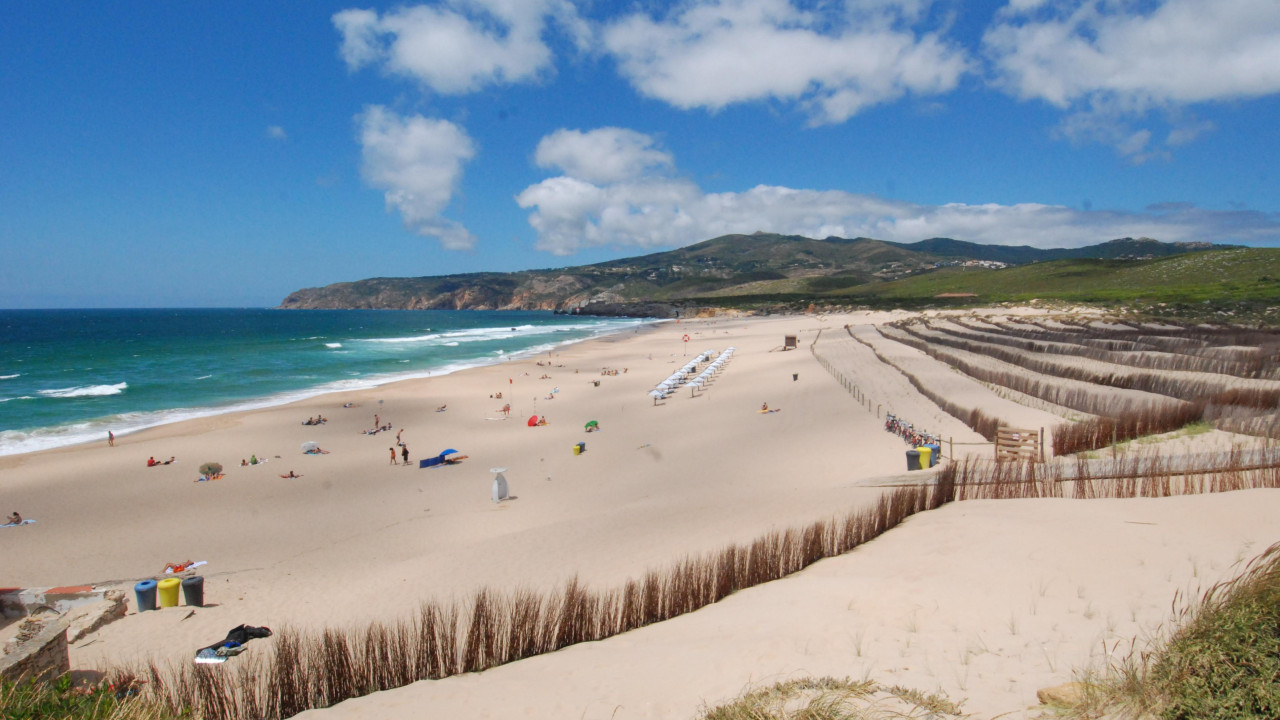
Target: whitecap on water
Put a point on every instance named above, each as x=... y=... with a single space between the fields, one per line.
x=85 y=391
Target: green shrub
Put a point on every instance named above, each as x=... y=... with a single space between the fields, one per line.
x=62 y=700
x=1225 y=663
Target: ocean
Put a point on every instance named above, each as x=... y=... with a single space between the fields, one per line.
x=69 y=376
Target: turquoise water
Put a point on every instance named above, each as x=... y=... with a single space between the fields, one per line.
x=68 y=376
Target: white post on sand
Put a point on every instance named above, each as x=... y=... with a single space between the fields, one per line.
x=500 y=491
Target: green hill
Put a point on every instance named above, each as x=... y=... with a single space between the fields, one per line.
x=764 y=268
x=1224 y=275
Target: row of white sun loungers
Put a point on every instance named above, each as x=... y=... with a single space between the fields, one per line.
x=680 y=377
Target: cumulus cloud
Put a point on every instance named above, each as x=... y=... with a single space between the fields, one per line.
x=834 y=61
x=458 y=46
x=275 y=132
x=648 y=209
x=418 y=162
x=1113 y=63
x=603 y=155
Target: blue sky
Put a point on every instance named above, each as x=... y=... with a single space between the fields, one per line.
x=225 y=154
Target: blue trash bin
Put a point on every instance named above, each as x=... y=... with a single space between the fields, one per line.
x=933 y=456
x=146 y=592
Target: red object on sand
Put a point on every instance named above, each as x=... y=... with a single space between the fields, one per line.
x=533 y=420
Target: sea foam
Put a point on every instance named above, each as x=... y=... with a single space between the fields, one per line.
x=85 y=391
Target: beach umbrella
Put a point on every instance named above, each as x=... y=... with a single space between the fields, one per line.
x=533 y=420
x=210 y=468
x=450 y=451
x=592 y=423
x=310 y=446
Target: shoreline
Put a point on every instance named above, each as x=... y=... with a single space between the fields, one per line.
x=152 y=419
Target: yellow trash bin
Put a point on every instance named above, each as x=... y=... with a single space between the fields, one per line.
x=169 y=592
x=925 y=452
x=577 y=450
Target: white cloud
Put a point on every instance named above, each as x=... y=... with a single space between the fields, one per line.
x=601 y=156
x=651 y=211
x=458 y=46
x=1116 y=62
x=275 y=132
x=418 y=162
x=715 y=53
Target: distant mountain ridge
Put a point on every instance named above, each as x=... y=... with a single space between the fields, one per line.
x=760 y=264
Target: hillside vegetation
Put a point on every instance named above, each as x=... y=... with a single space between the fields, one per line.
x=1250 y=275
x=766 y=270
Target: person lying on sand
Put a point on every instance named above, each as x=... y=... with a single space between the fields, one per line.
x=170 y=460
x=178 y=567
x=442 y=408
x=291 y=475
x=317 y=451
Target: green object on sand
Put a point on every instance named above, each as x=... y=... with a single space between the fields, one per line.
x=593 y=423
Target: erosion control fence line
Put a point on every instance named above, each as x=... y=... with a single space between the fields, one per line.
x=845 y=381
x=979 y=422
x=303 y=670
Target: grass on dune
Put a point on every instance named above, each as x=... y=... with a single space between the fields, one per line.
x=1222 y=660
x=63 y=700
x=833 y=699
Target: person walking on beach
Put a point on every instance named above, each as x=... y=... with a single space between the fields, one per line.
x=404 y=453
x=398 y=434
x=393 y=455
x=111 y=439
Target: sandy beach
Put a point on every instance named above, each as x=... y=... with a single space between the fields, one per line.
x=983 y=600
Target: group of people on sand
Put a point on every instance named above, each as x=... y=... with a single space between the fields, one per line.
x=610 y=371
x=317 y=420
x=404 y=452
x=152 y=461
x=253 y=460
